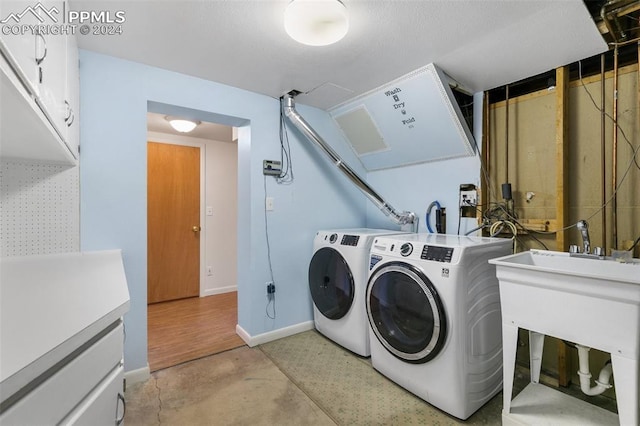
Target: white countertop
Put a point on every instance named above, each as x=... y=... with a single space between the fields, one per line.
x=50 y=305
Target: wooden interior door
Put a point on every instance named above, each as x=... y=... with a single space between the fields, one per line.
x=173 y=222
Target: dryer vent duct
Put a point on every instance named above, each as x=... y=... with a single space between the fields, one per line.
x=400 y=218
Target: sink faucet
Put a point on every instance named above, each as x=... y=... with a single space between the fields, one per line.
x=584 y=231
x=574 y=250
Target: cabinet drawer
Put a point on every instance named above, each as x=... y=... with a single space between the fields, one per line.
x=103 y=406
x=52 y=400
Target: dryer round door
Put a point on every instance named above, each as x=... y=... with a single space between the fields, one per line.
x=405 y=312
x=331 y=283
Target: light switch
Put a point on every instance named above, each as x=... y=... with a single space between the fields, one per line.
x=209 y=211
x=269 y=204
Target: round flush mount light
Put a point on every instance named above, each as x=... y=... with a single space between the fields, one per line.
x=316 y=22
x=182 y=125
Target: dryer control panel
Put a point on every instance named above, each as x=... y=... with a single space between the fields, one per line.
x=350 y=240
x=436 y=253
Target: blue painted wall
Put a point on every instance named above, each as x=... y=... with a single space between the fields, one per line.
x=115 y=97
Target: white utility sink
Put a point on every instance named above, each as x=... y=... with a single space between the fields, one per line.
x=592 y=302
x=577 y=265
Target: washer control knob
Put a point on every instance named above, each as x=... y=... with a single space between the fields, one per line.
x=333 y=238
x=406 y=249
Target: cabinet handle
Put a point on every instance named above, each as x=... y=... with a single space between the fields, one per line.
x=124 y=409
x=71 y=116
x=44 y=55
x=67 y=108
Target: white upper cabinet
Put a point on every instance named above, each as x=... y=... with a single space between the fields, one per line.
x=72 y=96
x=24 y=49
x=52 y=75
x=40 y=79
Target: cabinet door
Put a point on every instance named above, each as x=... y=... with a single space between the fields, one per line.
x=72 y=98
x=25 y=132
x=52 y=78
x=22 y=47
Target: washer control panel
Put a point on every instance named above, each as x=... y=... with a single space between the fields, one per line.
x=436 y=253
x=350 y=240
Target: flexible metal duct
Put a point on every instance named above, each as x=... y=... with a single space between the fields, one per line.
x=403 y=218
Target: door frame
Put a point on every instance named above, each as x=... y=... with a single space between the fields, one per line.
x=168 y=140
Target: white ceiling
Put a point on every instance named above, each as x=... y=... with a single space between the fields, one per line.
x=242 y=43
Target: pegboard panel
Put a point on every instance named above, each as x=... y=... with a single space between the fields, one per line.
x=39 y=208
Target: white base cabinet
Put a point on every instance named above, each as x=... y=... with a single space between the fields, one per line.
x=62 y=340
x=102 y=404
x=82 y=382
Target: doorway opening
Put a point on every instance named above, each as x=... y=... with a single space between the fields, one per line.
x=191 y=241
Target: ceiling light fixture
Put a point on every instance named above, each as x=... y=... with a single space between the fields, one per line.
x=182 y=125
x=316 y=22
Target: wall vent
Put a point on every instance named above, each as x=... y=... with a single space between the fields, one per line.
x=361 y=131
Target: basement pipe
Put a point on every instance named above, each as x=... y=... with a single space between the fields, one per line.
x=607 y=23
x=403 y=218
x=506 y=134
x=625 y=43
x=604 y=378
x=486 y=152
x=603 y=166
x=614 y=162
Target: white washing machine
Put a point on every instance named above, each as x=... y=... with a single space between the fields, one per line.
x=338 y=274
x=433 y=306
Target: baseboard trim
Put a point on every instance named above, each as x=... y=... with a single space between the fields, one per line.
x=220 y=290
x=270 y=336
x=137 y=376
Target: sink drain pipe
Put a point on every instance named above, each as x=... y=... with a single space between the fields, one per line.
x=602 y=384
x=405 y=219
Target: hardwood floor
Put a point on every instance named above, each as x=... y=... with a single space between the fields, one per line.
x=187 y=329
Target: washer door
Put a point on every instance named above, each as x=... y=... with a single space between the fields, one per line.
x=331 y=283
x=405 y=312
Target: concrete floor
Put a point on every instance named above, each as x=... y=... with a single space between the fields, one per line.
x=305 y=379
x=238 y=387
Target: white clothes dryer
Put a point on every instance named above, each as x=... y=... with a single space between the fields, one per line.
x=433 y=306
x=338 y=274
